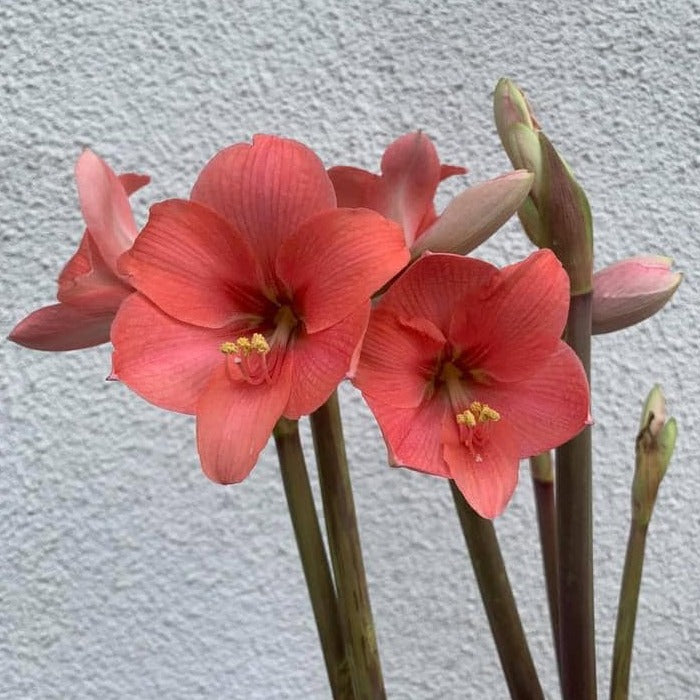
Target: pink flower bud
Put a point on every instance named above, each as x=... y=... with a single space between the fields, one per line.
x=631 y=290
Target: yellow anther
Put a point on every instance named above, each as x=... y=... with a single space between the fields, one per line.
x=244 y=345
x=228 y=348
x=477 y=413
x=466 y=418
x=259 y=344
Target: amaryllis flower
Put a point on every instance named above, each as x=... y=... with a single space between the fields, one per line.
x=90 y=288
x=410 y=174
x=252 y=298
x=464 y=370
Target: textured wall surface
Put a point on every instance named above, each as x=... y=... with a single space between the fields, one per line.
x=123 y=571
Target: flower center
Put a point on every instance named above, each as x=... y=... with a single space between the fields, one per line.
x=472 y=424
x=250 y=357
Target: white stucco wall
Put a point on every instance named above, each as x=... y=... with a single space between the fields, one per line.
x=123 y=571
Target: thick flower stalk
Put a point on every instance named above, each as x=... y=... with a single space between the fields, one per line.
x=252 y=298
x=90 y=287
x=464 y=368
x=404 y=191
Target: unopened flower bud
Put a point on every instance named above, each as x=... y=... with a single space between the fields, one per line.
x=631 y=290
x=655 y=443
x=472 y=216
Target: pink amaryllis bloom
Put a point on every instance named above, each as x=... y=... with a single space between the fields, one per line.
x=464 y=370
x=90 y=288
x=404 y=191
x=252 y=298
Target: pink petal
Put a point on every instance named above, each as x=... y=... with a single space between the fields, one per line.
x=413 y=435
x=355 y=188
x=265 y=190
x=547 y=409
x=434 y=285
x=398 y=360
x=195 y=267
x=319 y=361
x=62 y=327
x=234 y=422
x=475 y=214
x=487 y=485
x=87 y=281
x=411 y=170
x=631 y=291
x=509 y=331
x=132 y=182
x=105 y=208
x=336 y=260
x=167 y=362
x=451 y=170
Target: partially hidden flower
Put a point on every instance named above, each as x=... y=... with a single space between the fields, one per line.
x=253 y=298
x=90 y=287
x=632 y=290
x=404 y=191
x=465 y=371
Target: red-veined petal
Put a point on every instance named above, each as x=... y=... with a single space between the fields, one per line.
x=488 y=484
x=398 y=360
x=265 y=190
x=355 y=188
x=319 y=361
x=234 y=422
x=336 y=260
x=165 y=361
x=195 y=267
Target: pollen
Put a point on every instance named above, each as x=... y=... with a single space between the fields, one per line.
x=477 y=413
x=244 y=346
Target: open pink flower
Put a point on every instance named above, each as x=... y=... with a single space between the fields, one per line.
x=252 y=298
x=410 y=174
x=90 y=288
x=464 y=369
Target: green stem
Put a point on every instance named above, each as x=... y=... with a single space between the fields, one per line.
x=574 y=490
x=313 y=556
x=501 y=610
x=627 y=610
x=346 y=553
x=542 y=472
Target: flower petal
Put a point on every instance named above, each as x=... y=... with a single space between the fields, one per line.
x=62 y=327
x=87 y=281
x=451 y=170
x=132 y=182
x=509 y=331
x=411 y=170
x=319 y=361
x=472 y=216
x=631 y=290
x=105 y=207
x=434 y=285
x=356 y=188
x=265 y=190
x=544 y=410
x=398 y=360
x=336 y=260
x=413 y=435
x=488 y=484
x=165 y=361
x=234 y=422
x=195 y=267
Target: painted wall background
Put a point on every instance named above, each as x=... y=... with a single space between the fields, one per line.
x=123 y=571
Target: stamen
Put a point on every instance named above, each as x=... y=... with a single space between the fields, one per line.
x=243 y=346
x=477 y=413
